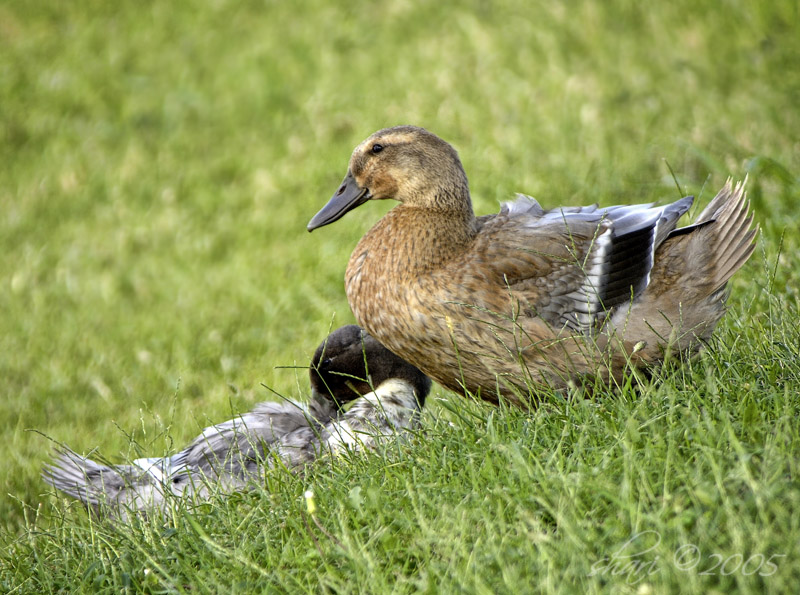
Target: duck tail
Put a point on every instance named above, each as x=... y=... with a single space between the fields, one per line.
x=732 y=234
x=97 y=486
x=685 y=298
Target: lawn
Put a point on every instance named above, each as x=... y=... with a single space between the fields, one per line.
x=159 y=162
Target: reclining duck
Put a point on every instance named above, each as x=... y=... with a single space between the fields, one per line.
x=348 y=366
x=525 y=299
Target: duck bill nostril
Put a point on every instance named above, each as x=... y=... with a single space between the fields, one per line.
x=349 y=196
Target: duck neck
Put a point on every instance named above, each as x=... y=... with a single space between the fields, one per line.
x=433 y=235
x=408 y=243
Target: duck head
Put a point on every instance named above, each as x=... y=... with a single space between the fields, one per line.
x=351 y=363
x=404 y=163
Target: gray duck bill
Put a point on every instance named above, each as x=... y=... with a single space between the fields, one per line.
x=349 y=196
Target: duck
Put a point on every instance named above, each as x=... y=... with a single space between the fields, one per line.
x=361 y=396
x=520 y=304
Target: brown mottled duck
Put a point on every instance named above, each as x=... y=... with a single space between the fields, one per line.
x=527 y=298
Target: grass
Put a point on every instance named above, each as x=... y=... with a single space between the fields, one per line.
x=158 y=164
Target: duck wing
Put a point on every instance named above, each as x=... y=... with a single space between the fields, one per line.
x=97 y=484
x=230 y=453
x=236 y=448
x=571 y=265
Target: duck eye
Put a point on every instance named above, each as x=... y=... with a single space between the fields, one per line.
x=325 y=363
x=376 y=148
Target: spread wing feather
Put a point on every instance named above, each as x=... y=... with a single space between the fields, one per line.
x=572 y=265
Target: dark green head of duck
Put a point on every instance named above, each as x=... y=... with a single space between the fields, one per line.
x=350 y=363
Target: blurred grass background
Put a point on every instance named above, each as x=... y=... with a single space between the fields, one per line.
x=159 y=162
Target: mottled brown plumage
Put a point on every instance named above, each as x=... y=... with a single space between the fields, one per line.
x=527 y=298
